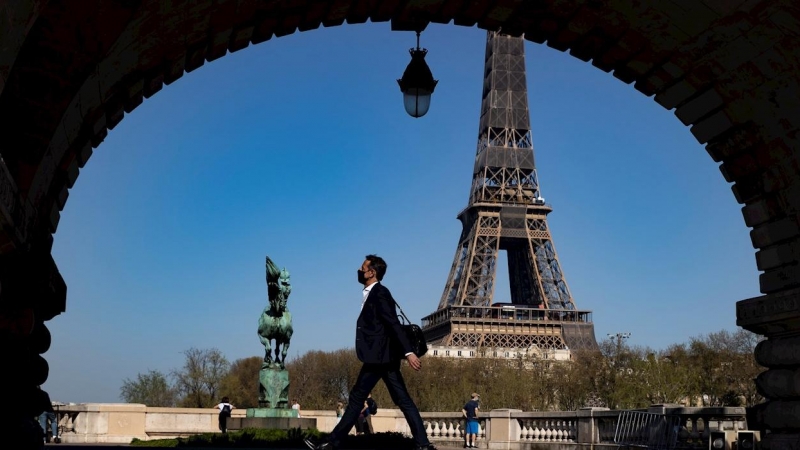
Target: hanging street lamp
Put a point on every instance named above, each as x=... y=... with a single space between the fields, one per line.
x=417 y=83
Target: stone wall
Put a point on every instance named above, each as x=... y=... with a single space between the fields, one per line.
x=499 y=429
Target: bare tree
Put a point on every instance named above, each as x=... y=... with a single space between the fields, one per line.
x=666 y=379
x=199 y=379
x=573 y=385
x=728 y=367
x=720 y=365
x=320 y=379
x=151 y=389
x=241 y=382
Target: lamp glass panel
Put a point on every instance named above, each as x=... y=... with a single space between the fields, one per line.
x=417 y=102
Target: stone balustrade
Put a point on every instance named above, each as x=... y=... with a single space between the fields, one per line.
x=499 y=429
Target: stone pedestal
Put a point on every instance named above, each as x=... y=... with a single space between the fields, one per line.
x=776 y=316
x=273 y=388
x=588 y=429
x=270 y=419
x=273 y=412
x=502 y=429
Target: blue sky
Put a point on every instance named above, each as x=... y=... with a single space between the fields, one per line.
x=299 y=148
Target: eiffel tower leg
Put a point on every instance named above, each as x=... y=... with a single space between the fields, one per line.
x=454 y=279
x=521 y=276
x=479 y=282
x=471 y=280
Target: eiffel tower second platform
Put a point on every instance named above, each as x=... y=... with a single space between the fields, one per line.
x=503 y=327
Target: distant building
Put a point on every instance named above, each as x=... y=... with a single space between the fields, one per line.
x=444 y=351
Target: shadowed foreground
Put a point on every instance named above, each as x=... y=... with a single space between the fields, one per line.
x=117 y=446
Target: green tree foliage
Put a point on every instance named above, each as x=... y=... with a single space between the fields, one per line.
x=712 y=370
x=720 y=366
x=573 y=389
x=666 y=379
x=612 y=372
x=151 y=389
x=460 y=376
x=725 y=367
x=240 y=384
x=199 y=380
x=320 y=379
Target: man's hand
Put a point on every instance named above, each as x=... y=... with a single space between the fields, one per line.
x=414 y=362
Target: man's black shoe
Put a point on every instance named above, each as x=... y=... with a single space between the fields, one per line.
x=318 y=446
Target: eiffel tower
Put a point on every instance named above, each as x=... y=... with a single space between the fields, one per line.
x=507 y=212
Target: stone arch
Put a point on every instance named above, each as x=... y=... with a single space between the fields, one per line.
x=729 y=69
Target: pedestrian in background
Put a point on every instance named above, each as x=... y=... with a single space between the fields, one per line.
x=48 y=415
x=470 y=412
x=225 y=409
x=339 y=411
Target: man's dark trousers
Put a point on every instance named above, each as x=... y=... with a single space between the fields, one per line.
x=367 y=379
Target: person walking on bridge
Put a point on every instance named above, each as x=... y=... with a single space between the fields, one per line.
x=380 y=345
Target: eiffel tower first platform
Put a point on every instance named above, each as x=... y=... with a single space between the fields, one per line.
x=507 y=212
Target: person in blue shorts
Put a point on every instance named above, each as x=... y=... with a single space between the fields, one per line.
x=470 y=412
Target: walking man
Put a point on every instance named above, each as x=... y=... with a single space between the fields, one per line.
x=470 y=412
x=380 y=345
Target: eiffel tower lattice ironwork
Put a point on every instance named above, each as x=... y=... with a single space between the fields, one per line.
x=507 y=212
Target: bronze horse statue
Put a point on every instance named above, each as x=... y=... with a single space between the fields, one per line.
x=275 y=322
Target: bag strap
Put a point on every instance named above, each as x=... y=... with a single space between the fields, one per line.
x=401 y=311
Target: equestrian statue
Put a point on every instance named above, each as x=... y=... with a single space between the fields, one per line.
x=275 y=324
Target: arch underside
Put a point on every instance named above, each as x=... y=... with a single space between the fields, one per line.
x=729 y=69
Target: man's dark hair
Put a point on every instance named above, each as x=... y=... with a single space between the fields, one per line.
x=377 y=264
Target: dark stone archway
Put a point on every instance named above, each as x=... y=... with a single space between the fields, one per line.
x=730 y=69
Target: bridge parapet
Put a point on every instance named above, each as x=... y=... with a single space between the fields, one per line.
x=499 y=428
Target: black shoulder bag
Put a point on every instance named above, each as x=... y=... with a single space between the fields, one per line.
x=413 y=334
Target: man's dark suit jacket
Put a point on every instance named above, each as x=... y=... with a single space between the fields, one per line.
x=379 y=336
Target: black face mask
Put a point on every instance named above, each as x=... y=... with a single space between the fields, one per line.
x=361 y=278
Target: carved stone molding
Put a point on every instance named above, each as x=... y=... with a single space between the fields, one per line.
x=773 y=315
x=9 y=207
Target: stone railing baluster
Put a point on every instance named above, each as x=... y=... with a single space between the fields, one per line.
x=706 y=429
x=547 y=429
x=451 y=429
x=694 y=434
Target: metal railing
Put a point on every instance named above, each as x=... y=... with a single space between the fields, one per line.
x=505 y=314
x=653 y=431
